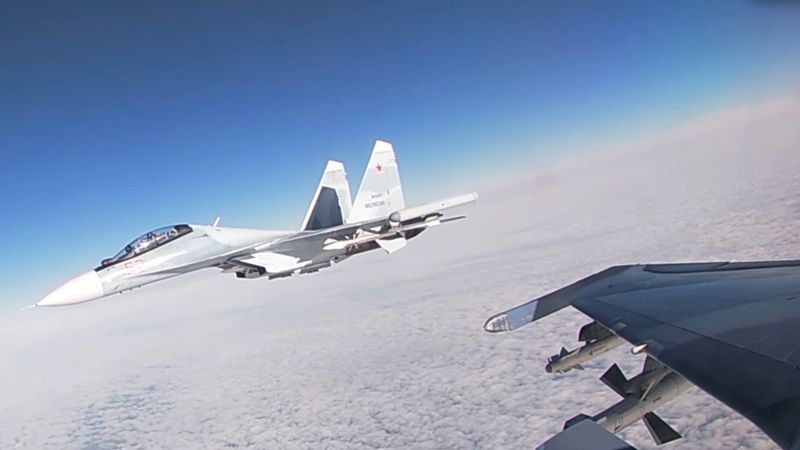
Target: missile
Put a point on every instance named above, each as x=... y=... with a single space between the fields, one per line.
x=366 y=236
x=567 y=360
x=431 y=221
x=432 y=208
x=631 y=409
x=642 y=395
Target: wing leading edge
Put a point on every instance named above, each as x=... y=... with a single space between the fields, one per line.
x=732 y=329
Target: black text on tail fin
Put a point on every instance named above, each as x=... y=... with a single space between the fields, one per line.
x=380 y=192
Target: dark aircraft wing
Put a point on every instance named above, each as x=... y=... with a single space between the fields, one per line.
x=576 y=437
x=732 y=329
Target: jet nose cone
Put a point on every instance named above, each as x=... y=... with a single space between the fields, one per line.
x=79 y=289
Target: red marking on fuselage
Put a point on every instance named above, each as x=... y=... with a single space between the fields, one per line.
x=133 y=263
x=132 y=267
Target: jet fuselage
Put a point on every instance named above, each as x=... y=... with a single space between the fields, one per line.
x=200 y=247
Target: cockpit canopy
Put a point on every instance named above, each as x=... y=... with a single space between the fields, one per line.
x=147 y=242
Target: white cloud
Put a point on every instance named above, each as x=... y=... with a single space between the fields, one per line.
x=387 y=351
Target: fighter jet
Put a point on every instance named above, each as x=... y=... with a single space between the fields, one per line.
x=334 y=228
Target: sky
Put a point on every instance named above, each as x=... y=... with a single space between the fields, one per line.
x=118 y=117
x=388 y=351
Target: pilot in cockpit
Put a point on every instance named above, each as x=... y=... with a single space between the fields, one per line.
x=146 y=242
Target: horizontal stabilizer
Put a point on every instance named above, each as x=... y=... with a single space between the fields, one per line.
x=392 y=245
x=563 y=352
x=273 y=262
x=585 y=435
x=659 y=430
x=615 y=379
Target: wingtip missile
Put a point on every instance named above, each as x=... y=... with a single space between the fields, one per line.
x=433 y=207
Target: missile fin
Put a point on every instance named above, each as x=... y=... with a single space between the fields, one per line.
x=615 y=379
x=651 y=364
x=659 y=430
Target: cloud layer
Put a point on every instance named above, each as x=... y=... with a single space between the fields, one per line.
x=387 y=351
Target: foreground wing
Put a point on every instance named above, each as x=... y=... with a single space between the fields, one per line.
x=732 y=329
x=577 y=437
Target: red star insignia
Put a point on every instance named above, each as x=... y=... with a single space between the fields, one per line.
x=379 y=167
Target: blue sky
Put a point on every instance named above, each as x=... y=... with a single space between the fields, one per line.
x=119 y=117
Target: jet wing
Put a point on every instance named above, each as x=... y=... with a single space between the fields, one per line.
x=389 y=232
x=576 y=438
x=732 y=329
x=305 y=251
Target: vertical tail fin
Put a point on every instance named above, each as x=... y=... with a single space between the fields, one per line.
x=331 y=203
x=380 y=192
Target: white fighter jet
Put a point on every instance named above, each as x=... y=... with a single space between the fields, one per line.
x=334 y=228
